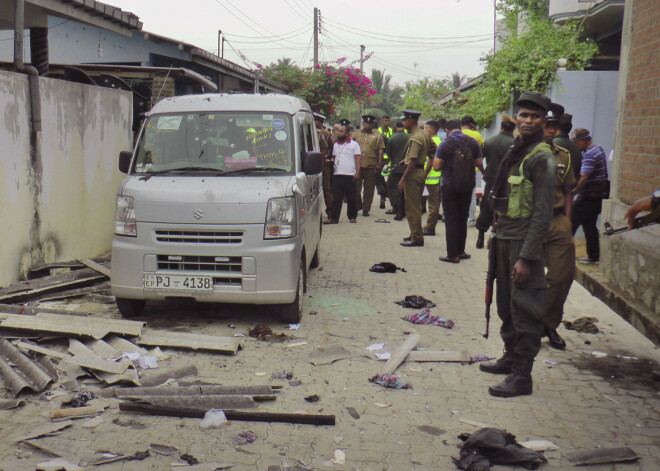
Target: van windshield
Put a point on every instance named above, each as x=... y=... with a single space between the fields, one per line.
x=222 y=142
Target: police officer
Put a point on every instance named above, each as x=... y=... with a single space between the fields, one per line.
x=325 y=144
x=372 y=146
x=381 y=185
x=522 y=198
x=414 y=176
x=432 y=182
x=396 y=149
x=559 y=248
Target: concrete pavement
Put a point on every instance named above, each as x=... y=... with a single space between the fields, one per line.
x=580 y=401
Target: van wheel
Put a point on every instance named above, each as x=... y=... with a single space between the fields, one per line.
x=314 y=263
x=292 y=313
x=130 y=307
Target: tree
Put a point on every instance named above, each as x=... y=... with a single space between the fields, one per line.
x=387 y=99
x=457 y=80
x=424 y=95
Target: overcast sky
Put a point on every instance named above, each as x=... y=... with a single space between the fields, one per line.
x=409 y=39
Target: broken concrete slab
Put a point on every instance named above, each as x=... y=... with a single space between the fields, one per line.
x=163 y=338
x=602 y=456
x=49 y=428
x=124 y=345
x=97 y=267
x=328 y=355
x=86 y=326
x=26 y=290
x=400 y=354
x=6 y=404
x=58 y=464
x=75 y=452
x=156 y=378
x=196 y=403
x=18 y=372
x=87 y=358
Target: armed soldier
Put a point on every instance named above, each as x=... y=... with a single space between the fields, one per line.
x=396 y=147
x=522 y=198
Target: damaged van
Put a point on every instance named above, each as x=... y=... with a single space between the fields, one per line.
x=221 y=204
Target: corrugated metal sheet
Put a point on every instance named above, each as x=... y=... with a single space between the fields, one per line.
x=18 y=372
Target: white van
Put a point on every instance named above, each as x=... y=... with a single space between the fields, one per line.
x=221 y=203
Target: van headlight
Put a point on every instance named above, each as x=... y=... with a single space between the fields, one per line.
x=125 y=216
x=280 y=218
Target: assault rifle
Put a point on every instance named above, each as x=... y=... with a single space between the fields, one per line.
x=490 y=278
x=651 y=218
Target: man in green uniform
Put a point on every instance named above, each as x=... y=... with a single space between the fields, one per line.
x=396 y=149
x=412 y=180
x=522 y=198
x=432 y=182
x=325 y=144
x=372 y=146
x=563 y=139
x=494 y=149
x=559 y=247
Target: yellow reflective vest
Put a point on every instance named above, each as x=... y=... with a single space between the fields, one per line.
x=433 y=177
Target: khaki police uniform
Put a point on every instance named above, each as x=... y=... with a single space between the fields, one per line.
x=559 y=247
x=419 y=146
x=370 y=143
x=325 y=143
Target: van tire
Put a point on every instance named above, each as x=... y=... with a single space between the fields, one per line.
x=292 y=313
x=315 y=262
x=130 y=307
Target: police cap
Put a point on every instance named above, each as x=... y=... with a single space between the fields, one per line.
x=537 y=99
x=412 y=114
x=507 y=119
x=555 y=112
x=344 y=122
x=368 y=118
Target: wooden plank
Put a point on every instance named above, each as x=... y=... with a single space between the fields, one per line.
x=94 y=327
x=437 y=355
x=163 y=338
x=75 y=412
x=400 y=354
x=95 y=266
x=244 y=416
x=196 y=403
x=201 y=390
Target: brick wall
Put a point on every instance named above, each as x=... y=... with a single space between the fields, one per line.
x=640 y=155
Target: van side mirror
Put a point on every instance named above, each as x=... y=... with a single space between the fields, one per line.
x=312 y=163
x=125 y=161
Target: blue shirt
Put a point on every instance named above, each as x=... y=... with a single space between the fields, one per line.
x=447 y=149
x=594 y=163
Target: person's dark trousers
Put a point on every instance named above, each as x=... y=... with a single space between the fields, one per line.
x=485 y=219
x=585 y=213
x=396 y=197
x=520 y=306
x=343 y=185
x=456 y=207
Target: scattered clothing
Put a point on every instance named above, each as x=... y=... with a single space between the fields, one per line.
x=479 y=358
x=245 y=437
x=260 y=332
x=282 y=375
x=415 y=302
x=583 y=324
x=426 y=318
x=490 y=446
x=386 y=267
x=389 y=381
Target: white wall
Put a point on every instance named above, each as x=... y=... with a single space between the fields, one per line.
x=63 y=205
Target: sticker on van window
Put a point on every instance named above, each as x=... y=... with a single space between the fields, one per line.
x=278 y=124
x=169 y=123
x=267 y=117
x=280 y=136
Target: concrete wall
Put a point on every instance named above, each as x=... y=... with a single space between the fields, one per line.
x=61 y=189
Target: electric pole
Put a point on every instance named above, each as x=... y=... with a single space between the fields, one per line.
x=316 y=37
x=221 y=45
x=360 y=108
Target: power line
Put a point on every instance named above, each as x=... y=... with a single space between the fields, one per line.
x=270 y=41
x=296 y=11
x=262 y=36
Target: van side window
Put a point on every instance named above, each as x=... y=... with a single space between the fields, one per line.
x=309 y=134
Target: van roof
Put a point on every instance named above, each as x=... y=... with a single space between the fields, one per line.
x=231 y=102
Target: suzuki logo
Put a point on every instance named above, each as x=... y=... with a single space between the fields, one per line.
x=198 y=213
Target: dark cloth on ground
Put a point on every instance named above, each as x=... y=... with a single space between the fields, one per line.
x=385 y=267
x=415 y=302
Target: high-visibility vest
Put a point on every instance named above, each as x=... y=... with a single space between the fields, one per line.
x=387 y=135
x=433 y=178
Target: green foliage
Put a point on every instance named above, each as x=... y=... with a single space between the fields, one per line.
x=527 y=61
x=387 y=100
x=424 y=94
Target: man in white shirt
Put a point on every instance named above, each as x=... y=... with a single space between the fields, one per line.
x=347 y=158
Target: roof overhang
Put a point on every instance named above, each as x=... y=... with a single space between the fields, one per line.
x=598 y=17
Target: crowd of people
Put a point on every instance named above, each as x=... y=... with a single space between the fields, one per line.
x=540 y=186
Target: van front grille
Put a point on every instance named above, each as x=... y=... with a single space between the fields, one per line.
x=199 y=237
x=195 y=263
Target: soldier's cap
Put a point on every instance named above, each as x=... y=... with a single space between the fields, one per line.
x=566 y=118
x=555 y=112
x=412 y=114
x=508 y=119
x=538 y=99
x=368 y=118
x=319 y=117
x=344 y=122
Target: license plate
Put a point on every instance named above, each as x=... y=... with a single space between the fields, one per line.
x=164 y=281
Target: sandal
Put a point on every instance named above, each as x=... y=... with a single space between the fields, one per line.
x=382 y=220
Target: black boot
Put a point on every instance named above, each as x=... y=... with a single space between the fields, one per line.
x=382 y=202
x=502 y=366
x=519 y=383
x=480 y=240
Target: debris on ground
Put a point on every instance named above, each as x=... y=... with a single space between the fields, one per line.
x=81 y=398
x=352 y=412
x=163 y=449
x=540 y=445
x=244 y=438
x=490 y=446
x=389 y=381
x=400 y=354
x=478 y=358
x=312 y=398
x=295 y=383
x=282 y=375
x=425 y=318
x=586 y=325
x=260 y=332
x=415 y=302
x=386 y=267
x=213 y=418
x=431 y=430
x=327 y=355
x=602 y=456
x=188 y=458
